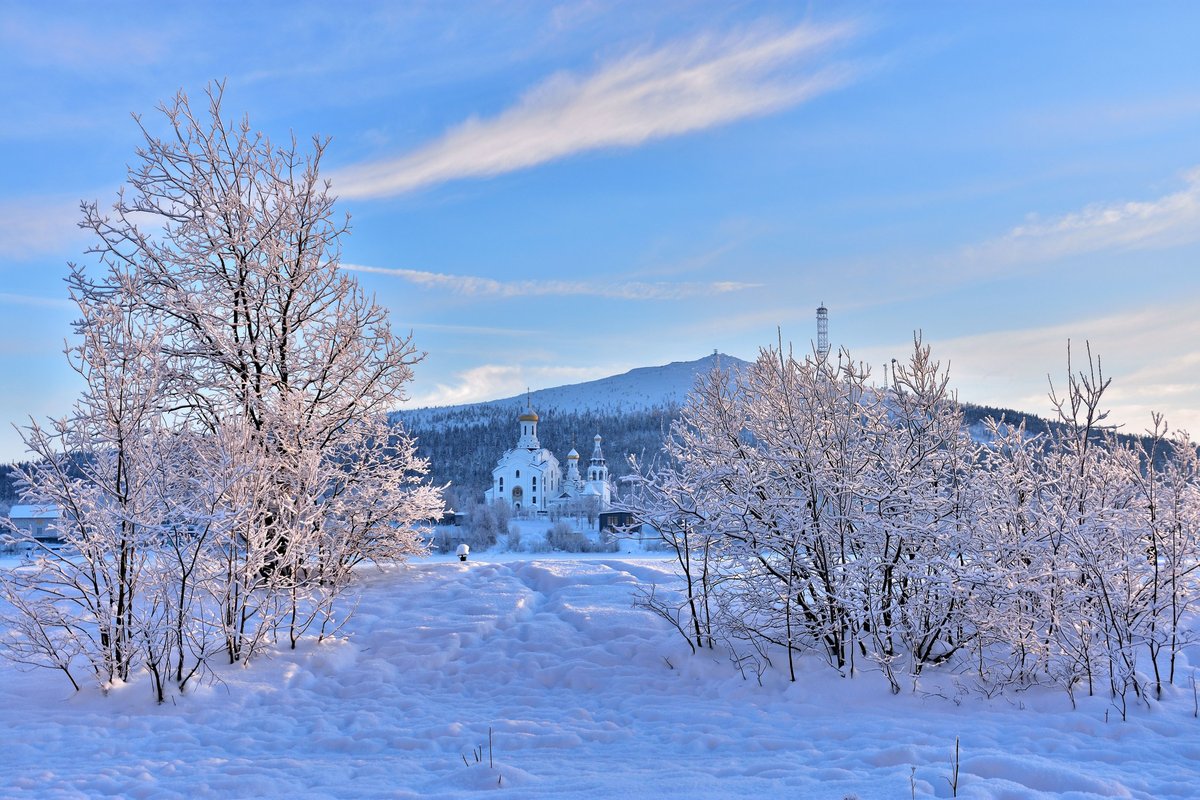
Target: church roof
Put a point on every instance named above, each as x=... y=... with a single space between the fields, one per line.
x=521 y=457
x=529 y=416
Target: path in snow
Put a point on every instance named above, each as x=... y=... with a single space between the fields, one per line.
x=586 y=696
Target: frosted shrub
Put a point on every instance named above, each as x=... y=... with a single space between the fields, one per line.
x=812 y=512
x=565 y=538
x=444 y=540
x=486 y=523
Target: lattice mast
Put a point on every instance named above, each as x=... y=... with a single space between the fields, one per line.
x=822 y=331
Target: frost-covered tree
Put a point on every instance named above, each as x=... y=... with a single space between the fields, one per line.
x=230 y=460
x=917 y=550
x=1172 y=514
x=810 y=511
x=757 y=499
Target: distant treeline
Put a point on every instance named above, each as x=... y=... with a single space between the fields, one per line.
x=9 y=493
x=464 y=443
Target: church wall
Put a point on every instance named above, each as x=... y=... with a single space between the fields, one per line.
x=528 y=477
x=537 y=481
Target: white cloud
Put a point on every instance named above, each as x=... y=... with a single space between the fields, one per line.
x=667 y=92
x=1169 y=220
x=475 y=286
x=1149 y=353
x=492 y=381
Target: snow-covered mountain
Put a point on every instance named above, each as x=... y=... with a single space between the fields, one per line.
x=632 y=411
x=637 y=390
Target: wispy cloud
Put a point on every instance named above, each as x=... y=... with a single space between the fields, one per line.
x=32 y=227
x=469 y=329
x=1113 y=116
x=1169 y=220
x=475 y=286
x=667 y=92
x=1148 y=352
x=33 y=301
x=76 y=45
x=492 y=381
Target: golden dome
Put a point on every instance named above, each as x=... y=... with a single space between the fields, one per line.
x=528 y=416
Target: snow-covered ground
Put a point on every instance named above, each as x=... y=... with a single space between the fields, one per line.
x=585 y=696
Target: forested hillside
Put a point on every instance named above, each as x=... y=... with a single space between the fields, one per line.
x=463 y=443
x=632 y=412
x=9 y=494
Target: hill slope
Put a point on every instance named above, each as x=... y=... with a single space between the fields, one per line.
x=639 y=389
x=632 y=411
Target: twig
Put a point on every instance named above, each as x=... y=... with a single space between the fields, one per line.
x=953 y=780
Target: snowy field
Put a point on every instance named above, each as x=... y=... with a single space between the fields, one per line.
x=586 y=697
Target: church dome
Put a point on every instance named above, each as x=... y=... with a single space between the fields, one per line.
x=528 y=416
x=573 y=455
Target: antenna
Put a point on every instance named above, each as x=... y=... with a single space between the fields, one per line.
x=822 y=331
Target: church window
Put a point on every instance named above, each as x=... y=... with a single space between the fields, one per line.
x=535 y=481
x=535 y=499
x=518 y=473
x=502 y=484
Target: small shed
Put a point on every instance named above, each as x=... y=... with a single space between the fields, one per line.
x=619 y=521
x=36 y=520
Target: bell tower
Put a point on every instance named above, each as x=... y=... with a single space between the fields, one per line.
x=528 y=439
x=597 y=467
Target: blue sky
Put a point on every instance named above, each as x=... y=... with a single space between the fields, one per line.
x=548 y=193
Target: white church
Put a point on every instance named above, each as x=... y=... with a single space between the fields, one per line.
x=529 y=477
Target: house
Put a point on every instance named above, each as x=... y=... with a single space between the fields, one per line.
x=619 y=521
x=36 y=520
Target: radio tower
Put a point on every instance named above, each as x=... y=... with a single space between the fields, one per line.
x=822 y=331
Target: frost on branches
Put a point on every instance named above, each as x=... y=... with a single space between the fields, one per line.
x=230 y=460
x=813 y=512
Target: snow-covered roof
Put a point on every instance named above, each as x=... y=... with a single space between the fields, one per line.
x=521 y=457
x=38 y=511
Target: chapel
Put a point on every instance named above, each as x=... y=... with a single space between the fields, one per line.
x=529 y=477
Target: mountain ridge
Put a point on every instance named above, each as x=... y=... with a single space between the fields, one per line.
x=639 y=388
x=633 y=411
